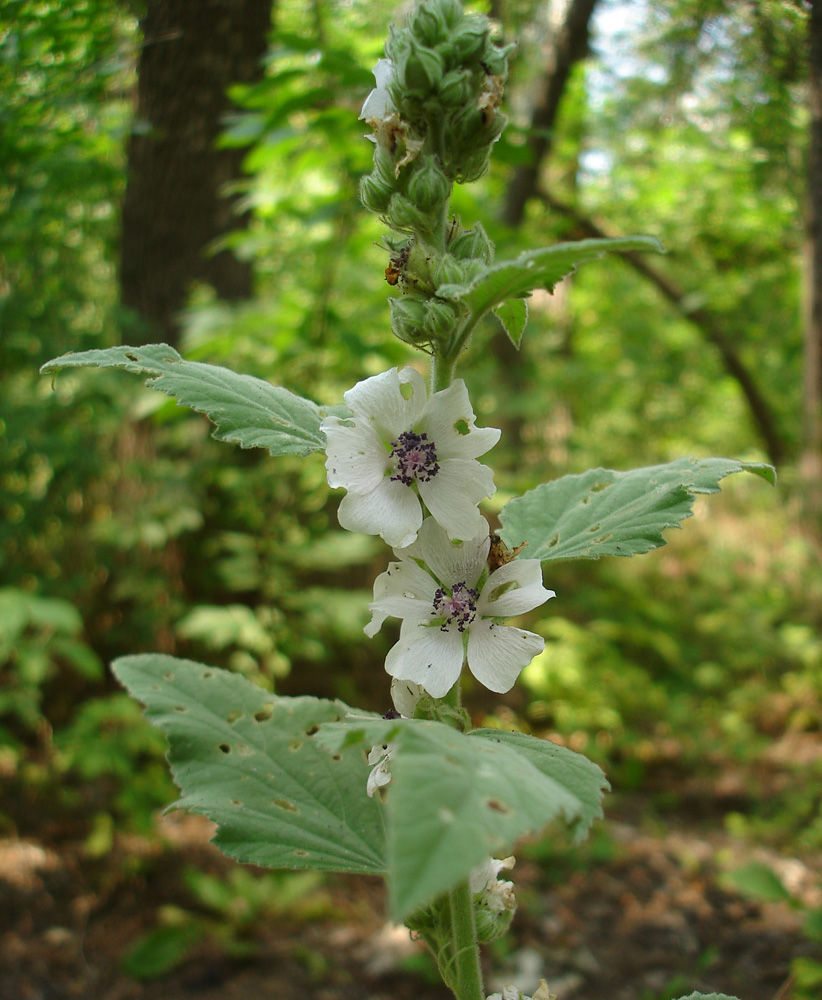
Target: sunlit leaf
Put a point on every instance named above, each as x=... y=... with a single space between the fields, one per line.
x=246 y=410
x=606 y=513
x=454 y=799
x=248 y=760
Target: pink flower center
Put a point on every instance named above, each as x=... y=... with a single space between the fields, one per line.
x=416 y=458
x=459 y=607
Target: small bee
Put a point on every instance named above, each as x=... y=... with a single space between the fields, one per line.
x=499 y=554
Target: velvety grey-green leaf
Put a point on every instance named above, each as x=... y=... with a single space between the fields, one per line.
x=606 y=513
x=248 y=760
x=584 y=779
x=245 y=410
x=454 y=800
x=513 y=315
x=542 y=268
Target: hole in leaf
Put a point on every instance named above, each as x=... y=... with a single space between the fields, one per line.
x=461 y=427
x=406 y=390
x=181 y=709
x=235 y=802
x=497 y=806
x=298 y=853
x=206 y=674
x=295 y=744
x=265 y=712
x=311 y=730
x=553 y=541
x=336 y=756
x=593 y=528
x=132 y=356
x=232 y=717
x=285 y=804
x=224 y=748
x=598 y=487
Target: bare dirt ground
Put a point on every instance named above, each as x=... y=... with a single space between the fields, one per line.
x=648 y=921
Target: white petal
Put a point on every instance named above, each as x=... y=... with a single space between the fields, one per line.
x=453 y=563
x=405 y=695
x=497 y=653
x=453 y=493
x=391 y=511
x=357 y=458
x=427 y=656
x=380 y=400
x=528 y=594
x=404 y=590
x=383 y=72
x=446 y=410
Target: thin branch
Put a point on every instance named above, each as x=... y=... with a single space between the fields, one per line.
x=708 y=323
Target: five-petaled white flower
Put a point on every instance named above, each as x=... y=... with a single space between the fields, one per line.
x=378 y=105
x=400 y=447
x=450 y=609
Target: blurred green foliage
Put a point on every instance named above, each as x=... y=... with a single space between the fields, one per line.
x=124 y=528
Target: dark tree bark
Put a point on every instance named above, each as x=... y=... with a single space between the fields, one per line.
x=708 y=323
x=811 y=459
x=570 y=46
x=174 y=205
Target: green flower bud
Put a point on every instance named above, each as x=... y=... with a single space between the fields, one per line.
x=440 y=318
x=475 y=243
x=384 y=167
x=404 y=215
x=470 y=38
x=429 y=188
x=426 y=26
x=450 y=11
x=491 y=925
x=408 y=318
x=423 y=69
x=375 y=194
x=447 y=271
x=457 y=88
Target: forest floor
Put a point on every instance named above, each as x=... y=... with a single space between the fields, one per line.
x=644 y=914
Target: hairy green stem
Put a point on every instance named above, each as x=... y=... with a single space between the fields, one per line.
x=468 y=973
x=442 y=372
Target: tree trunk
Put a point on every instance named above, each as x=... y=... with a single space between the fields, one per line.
x=810 y=466
x=175 y=205
x=570 y=46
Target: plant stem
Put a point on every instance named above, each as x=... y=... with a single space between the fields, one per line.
x=442 y=372
x=466 y=950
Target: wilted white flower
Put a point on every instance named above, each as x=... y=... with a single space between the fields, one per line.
x=512 y=993
x=399 y=448
x=497 y=894
x=380 y=757
x=378 y=105
x=450 y=610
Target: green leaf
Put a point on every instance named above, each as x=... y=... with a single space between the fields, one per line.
x=162 y=949
x=580 y=776
x=607 y=513
x=543 y=268
x=246 y=410
x=454 y=799
x=757 y=881
x=513 y=315
x=248 y=760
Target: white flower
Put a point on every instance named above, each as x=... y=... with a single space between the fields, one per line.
x=405 y=695
x=447 y=611
x=378 y=105
x=497 y=894
x=400 y=447
x=512 y=993
x=380 y=757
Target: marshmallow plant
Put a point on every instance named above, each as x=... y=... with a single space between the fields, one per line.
x=417 y=795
